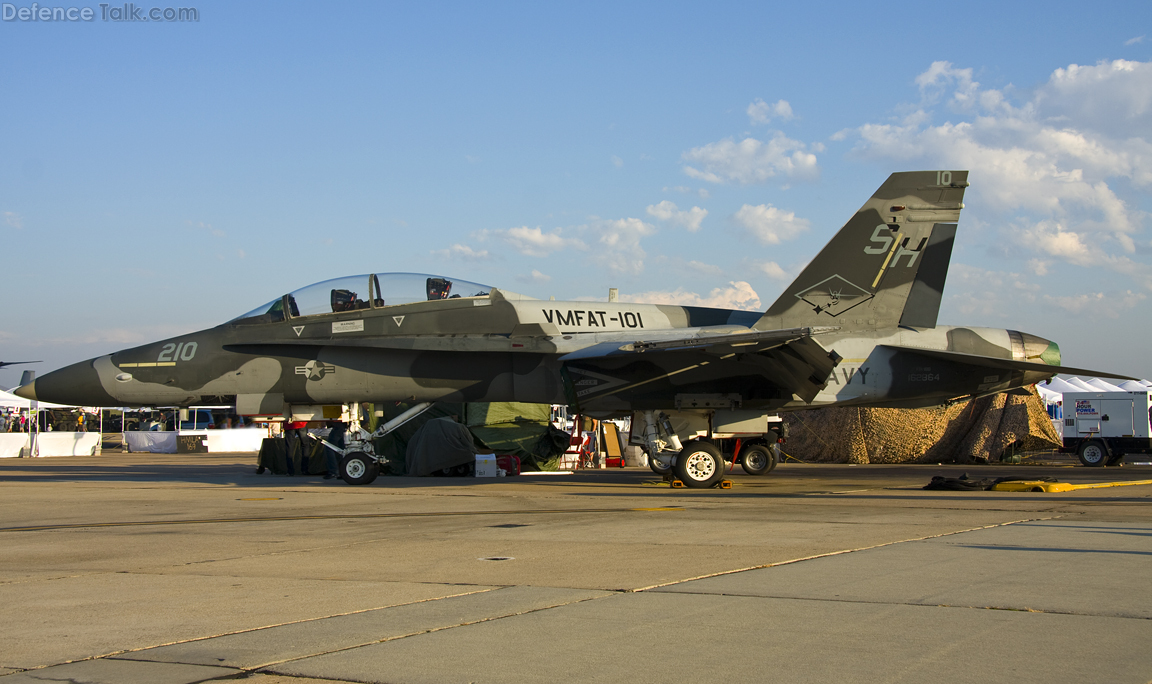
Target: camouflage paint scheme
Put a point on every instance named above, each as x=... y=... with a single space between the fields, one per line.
x=857 y=327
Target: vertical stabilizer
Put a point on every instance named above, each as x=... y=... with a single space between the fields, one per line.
x=886 y=266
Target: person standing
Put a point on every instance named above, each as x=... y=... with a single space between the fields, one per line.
x=332 y=458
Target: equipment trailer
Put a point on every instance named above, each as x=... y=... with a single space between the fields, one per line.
x=697 y=444
x=1100 y=427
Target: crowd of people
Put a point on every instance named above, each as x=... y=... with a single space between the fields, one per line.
x=14 y=421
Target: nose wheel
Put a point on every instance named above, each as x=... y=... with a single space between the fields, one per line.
x=357 y=469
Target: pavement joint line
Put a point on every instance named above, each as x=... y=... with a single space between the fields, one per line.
x=423 y=631
x=115 y=655
x=912 y=604
x=289 y=552
x=334 y=516
x=839 y=553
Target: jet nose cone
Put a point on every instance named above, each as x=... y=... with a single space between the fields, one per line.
x=75 y=385
x=26 y=391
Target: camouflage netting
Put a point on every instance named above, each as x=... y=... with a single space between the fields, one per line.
x=973 y=431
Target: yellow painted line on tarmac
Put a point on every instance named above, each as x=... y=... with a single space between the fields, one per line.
x=1112 y=484
x=660 y=508
x=287 y=518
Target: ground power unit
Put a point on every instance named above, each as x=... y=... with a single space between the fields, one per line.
x=1101 y=427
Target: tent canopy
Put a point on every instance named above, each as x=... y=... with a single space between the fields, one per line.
x=1103 y=386
x=1132 y=386
x=1060 y=386
x=8 y=400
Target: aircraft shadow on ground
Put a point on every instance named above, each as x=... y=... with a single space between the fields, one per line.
x=1052 y=549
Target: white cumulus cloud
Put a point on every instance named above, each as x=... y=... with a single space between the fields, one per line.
x=774 y=271
x=619 y=247
x=760 y=112
x=769 y=224
x=1099 y=304
x=738 y=295
x=687 y=218
x=535 y=278
x=533 y=242
x=1059 y=171
x=463 y=252
x=751 y=161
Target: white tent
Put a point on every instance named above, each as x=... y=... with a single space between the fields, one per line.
x=1060 y=386
x=1103 y=386
x=8 y=400
x=1082 y=386
x=1132 y=386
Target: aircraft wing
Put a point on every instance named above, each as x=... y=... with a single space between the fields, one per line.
x=760 y=368
x=1009 y=364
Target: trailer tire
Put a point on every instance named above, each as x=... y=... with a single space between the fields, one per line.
x=699 y=465
x=1093 y=453
x=757 y=459
x=357 y=469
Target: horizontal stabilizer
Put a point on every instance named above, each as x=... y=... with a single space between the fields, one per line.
x=1009 y=364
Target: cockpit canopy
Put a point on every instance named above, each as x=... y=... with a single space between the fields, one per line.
x=370 y=291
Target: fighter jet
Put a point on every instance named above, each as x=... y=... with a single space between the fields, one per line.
x=856 y=328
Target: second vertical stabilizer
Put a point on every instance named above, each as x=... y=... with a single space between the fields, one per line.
x=886 y=266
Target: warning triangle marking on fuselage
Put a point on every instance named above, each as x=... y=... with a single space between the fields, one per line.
x=399 y=320
x=299 y=329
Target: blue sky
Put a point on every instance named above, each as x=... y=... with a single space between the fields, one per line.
x=157 y=178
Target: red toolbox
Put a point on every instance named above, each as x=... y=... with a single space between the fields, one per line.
x=508 y=463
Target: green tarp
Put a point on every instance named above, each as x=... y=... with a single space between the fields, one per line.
x=523 y=430
x=537 y=445
x=507 y=412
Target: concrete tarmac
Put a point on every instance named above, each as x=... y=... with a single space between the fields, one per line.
x=174 y=569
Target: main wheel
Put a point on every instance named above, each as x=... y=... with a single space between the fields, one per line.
x=757 y=459
x=655 y=465
x=1092 y=453
x=357 y=469
x=699 y=465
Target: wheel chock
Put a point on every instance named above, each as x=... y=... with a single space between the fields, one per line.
x=722 y=484
x=1032 y=486
x=1042 y=486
